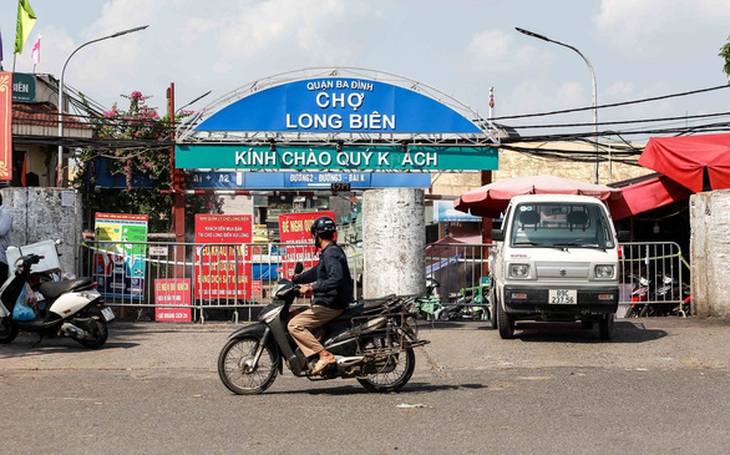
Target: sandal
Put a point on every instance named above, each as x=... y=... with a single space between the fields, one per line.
x=322 y=364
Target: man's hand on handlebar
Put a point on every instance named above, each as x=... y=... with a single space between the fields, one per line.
x=305 y=290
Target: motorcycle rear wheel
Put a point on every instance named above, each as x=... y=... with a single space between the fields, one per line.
x=100 y=330
x=394 y=379
x=8 y=331
x=236 y=371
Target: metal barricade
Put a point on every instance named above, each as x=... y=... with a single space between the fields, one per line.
x=461 y=271
x=193 y=282
x=652 y=279
x=654 y=276
x=190 y=281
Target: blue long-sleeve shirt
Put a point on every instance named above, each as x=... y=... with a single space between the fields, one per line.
x=330 y=278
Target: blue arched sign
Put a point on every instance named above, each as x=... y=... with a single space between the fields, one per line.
x=339 y=105
x=338 y=109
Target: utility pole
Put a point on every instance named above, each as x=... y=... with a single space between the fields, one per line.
x=176 y=175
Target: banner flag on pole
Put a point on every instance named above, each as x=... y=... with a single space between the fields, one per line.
x=26 y=21
x=6 y=132
x=1 y=49
x=36 y=53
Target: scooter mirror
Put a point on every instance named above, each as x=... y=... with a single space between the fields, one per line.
x=298 y=268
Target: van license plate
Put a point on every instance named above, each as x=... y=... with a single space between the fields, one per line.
x=562 y=297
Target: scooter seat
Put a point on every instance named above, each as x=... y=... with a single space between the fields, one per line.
x=54 y=289
x=372 y=304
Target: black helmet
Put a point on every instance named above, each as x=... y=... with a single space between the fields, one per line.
x=323 y=226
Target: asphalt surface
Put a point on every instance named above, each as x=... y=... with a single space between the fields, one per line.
x=659 y=386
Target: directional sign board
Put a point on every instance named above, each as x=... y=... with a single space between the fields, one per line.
x=227 y=180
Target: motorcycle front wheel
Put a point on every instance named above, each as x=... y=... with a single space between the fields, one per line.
x=397 y=371
x=237 y=371
x=8 y=331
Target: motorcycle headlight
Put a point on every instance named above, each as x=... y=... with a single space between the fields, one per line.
x=519 y=270
x=604 y=272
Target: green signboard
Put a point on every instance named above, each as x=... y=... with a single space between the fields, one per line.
x=23 y=87
x=356 y=158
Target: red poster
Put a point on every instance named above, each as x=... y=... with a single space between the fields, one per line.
x=6 y=117
x=223 y=267
x=172 y=292
x=294 y=229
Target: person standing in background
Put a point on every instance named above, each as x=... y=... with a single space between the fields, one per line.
x=6 y=221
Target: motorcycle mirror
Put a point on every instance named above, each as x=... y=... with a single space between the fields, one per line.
x=298 y=268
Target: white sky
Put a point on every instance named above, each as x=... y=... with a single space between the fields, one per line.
x=638 y=48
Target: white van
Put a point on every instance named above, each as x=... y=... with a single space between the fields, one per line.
x=555 y=258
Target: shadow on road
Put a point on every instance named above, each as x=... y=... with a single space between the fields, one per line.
x=624 y=332
x=353 y=388
x=29 y=345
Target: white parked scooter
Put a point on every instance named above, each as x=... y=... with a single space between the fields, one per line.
x=74 y=308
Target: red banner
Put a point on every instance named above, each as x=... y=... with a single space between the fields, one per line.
x=172 y=292
x=223 y=272
x=294 y=228
x=6 y=130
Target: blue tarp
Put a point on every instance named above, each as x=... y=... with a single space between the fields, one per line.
x=265 y=272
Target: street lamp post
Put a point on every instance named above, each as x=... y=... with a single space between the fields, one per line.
x=60 y=92
x=593 y=79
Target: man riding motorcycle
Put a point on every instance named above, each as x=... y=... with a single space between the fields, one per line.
x=331 y=288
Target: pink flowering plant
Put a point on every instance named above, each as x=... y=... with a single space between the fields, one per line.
x=135 y=143
x=138 y=128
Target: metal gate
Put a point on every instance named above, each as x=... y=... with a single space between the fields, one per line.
x=189 y=281
x=653 y=280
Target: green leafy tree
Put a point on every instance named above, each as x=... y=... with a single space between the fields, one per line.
x=725 y=54
x=133 y=146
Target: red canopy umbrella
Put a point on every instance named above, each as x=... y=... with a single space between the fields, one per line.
x=491 y=200
x=685 y=159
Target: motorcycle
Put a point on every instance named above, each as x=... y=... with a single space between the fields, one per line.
x=466 y=305
x=372 y=340
x=639 y=295
x=429 y=304
x=73 y=308
x=648 y=297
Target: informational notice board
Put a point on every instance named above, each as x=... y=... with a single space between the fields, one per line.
x=119 y=261
x=223 y=258
x=172 y=291
x=294 y=230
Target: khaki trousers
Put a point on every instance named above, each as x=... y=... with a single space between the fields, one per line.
x=311 y=318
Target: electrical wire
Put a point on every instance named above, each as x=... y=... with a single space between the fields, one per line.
x=623 y=103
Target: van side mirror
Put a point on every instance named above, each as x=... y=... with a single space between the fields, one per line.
x=497 y=235
x=624 y=236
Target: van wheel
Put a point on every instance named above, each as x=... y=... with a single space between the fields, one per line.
x=505 y=324
x=492 y=309
x=605 y=326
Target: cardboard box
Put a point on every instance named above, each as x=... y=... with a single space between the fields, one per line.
x=45 y=248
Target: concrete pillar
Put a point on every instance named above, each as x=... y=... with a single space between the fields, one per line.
x=710 y=253
x=41 y=213
x=394 y=238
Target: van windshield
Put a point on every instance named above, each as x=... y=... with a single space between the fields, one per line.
x=553 y=224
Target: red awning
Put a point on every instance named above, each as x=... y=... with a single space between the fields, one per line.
x=684 y=159
x=492 y=199
x=646 y=194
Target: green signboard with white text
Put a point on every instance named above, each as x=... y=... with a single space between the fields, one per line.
x=376 y=158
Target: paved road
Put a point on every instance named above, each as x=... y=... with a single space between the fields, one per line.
x=660 y=386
